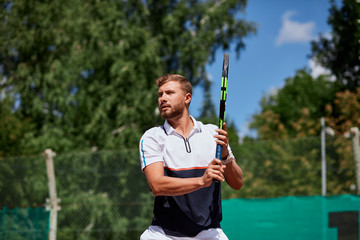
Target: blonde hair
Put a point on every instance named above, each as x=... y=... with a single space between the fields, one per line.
x=184 y=82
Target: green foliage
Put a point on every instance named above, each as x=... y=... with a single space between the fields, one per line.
x=102 y=193
x=12 y=129
x=23 y=181
x=340 y=53
x=84 y=71
x=295 y=110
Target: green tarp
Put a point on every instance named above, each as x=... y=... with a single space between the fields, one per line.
x=284 y=218
x=24 y=224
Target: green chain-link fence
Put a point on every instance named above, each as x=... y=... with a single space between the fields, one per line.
x=104 y=194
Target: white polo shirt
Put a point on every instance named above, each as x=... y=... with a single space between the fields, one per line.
x=188 y=214
x=164 y=144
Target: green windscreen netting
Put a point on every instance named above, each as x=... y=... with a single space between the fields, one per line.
x=24 y=224
x=295 y=218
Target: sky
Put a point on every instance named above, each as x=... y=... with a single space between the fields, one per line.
x=280 y=48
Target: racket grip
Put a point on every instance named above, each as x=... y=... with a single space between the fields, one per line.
x=219 y=149
x=218 y=155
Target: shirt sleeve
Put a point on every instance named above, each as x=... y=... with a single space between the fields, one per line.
x=149 y=150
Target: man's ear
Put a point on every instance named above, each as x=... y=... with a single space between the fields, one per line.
x=188 y=98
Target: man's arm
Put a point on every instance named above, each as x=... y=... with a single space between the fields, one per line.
x=233 y=175
x=162 y=185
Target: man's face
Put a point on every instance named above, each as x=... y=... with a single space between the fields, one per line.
x=172 y=100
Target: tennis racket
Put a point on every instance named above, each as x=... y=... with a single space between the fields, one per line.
x=224 y=81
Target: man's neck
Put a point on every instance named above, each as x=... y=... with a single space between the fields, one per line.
x=182 y=125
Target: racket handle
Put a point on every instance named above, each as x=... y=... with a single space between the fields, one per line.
x=218 y=155
x=219 y=149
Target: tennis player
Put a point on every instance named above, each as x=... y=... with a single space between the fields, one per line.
x=178 y=161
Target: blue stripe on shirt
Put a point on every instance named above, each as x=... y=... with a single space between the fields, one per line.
x=142 y=150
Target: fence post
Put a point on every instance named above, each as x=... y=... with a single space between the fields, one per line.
x=356 y=153
x=323 y=158
x=52 y=203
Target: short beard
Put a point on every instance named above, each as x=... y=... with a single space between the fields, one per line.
x=175 y=112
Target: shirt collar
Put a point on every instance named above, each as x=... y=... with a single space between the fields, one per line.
x=169 y=129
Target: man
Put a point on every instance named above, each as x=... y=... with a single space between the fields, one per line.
x=178 y=161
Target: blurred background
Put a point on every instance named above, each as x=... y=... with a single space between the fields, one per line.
x=78 y=77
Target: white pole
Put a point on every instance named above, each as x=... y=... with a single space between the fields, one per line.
x=356 y=153
x=54 y=207
x=323 y=158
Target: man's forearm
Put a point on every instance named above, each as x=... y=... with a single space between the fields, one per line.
x=234 y=175
x=162 y=185
x=171 y=186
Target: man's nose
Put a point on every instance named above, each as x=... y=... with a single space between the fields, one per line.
x=162 y=99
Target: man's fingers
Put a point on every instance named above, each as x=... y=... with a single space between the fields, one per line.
x=216 y=169
x=221 y=132
x=219 y=168
x=216 y=175
x=221 y=136
x=215 y=161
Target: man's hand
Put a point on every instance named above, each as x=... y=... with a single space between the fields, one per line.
x=215 y=170
x=233 y=173
x=223 y=139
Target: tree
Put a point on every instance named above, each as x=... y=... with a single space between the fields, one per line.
x=295 y=109
x=84 y=71
x=12 y=129
x=347 y=104
x=341 y=52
